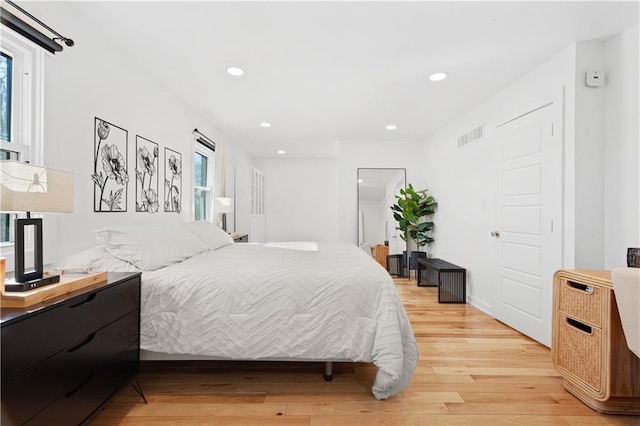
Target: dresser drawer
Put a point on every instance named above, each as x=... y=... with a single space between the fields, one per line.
x=581 y=351
x=81 y=401
x=582 y=302
x=37 y=337
x=29 y=392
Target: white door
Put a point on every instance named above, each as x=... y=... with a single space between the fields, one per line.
x=530 y=222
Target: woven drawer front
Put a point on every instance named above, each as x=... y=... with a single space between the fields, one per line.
x=580 y=351
x=581 y=302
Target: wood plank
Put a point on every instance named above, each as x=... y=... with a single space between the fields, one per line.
x=238 y=420
x=438 y=420
x=521 y=408
x=367 y=407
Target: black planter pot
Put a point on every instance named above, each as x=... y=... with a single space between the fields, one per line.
x=413 y=262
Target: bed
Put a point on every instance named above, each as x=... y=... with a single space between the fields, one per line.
x=203 y=295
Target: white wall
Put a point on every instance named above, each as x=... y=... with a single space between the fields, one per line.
x=589 y=159
x=301 y=199
x=316 y=199
x=466 y=181
x=95 y=79
x=622 y=154
x=601 y=188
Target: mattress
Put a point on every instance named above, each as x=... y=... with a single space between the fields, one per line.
x=252 y=301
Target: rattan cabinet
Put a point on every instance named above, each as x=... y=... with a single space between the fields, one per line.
x=588 y=344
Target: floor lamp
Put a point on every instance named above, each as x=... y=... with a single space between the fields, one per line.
x=30 y=188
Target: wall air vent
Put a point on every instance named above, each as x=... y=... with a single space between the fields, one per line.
x=473 y=135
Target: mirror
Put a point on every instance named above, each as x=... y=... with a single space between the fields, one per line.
x=377 y=233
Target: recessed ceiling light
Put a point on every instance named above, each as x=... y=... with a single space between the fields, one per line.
x=265 y=124
x=360 y=180
x=281 y=152
x=235 y=71
x=391 y=127
x=438 y=76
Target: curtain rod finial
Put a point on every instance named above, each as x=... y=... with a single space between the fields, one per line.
x=65 y=40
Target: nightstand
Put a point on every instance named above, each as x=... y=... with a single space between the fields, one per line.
x=380 y=254
x=239 y=238
x=63 y=359
x=588 y=345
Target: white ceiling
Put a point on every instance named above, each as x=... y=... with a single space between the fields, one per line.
x=323 y=72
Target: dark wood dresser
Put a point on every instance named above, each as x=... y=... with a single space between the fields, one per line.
x=63 y=359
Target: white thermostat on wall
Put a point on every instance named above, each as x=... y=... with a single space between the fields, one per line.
x=594 y=78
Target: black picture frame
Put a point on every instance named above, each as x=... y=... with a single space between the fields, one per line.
x=172 y=181
x=147 y=167
x=110 y=167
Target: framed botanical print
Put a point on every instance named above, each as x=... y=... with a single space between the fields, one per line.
x=172 y=181
x=110 y=177
x=147 y=175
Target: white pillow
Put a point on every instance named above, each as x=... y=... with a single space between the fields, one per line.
x=208 y=233
x=150 y=248
x=97 y=259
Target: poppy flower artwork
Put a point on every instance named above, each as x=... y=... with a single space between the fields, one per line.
x=110 y=177
x=172 y=181
x=147 y=159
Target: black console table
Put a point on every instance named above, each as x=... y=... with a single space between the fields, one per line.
x=450 y=279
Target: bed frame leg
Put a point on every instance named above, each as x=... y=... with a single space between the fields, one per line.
x=328 y=371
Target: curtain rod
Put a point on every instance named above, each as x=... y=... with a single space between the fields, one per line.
x=204 y=140
x=33 y=34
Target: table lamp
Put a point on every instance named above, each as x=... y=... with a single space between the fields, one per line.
x=224 y=205
x=30 y=188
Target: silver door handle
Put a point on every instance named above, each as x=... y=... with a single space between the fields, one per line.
x=495 y=234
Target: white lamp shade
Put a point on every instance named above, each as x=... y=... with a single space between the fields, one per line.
x=224 y=205
x=27 y=187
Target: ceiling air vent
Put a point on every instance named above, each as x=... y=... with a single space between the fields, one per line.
x=471 y=136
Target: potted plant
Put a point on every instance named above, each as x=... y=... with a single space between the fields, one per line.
x=410 y=211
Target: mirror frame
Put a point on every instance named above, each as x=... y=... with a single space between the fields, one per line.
x=399 y=169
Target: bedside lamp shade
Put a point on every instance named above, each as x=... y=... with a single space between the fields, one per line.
x=224 y=205
x=30 y=188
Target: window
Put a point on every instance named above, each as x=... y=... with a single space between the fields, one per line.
x=6 y=68
x=203 y=165
x=21 y=101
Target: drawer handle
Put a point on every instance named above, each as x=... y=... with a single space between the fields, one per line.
x=84 y=342
x=582 y=287
x=580 y=326
x=87 y=300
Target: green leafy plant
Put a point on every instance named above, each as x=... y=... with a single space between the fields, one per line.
x=410 y=211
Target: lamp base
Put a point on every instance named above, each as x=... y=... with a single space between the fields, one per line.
x=11 y=285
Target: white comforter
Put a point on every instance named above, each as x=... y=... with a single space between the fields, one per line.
x=248 y=301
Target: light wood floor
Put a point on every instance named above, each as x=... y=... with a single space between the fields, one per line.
x=473 y=370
